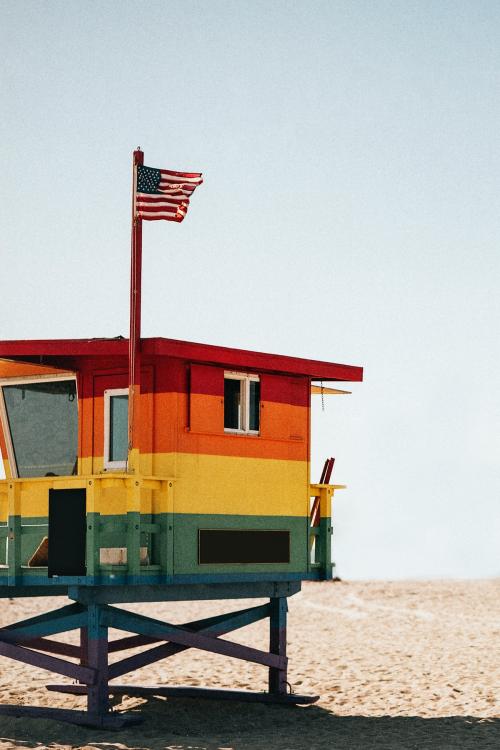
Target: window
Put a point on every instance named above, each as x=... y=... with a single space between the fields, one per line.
x=241 y=402
x=41 y=421
x=116 y=428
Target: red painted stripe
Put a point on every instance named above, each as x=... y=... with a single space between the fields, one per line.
x=188 y=175
x=171 y=217
x=164 y=198
x=207 y=380
x=285 y=390
x=151 y=208
x=161 y=201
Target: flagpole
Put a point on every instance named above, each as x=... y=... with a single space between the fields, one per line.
x=134 y=349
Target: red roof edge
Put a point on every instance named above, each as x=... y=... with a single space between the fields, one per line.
x=205 y=353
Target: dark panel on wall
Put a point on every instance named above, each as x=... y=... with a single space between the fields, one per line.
x=67 y=531
x=243 y=546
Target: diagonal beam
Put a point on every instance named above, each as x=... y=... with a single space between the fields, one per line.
x=217 y=625
x=167 y=631
x=50 y=663
x=149 y=626
x=59 y=624
x=43 y=644
x=133 y=641
x=69 y=609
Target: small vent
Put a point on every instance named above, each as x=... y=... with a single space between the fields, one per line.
x=225 y=546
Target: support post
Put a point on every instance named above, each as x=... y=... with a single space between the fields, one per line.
x=84 y=647
x=134 y=391
x=277 y=643
x=97 y=655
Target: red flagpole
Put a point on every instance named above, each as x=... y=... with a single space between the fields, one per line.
x=134 y=349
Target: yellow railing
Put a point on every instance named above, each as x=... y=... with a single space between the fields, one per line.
x=24 y=505
x=320 y=527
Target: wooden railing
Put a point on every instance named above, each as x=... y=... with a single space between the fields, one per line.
x=16 y=507
x=320 y=528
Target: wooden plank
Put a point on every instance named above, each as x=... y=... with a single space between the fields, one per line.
x=50 y=663
x=48 y=623
x=182 y=592
x=180 y=691
x=42 y=644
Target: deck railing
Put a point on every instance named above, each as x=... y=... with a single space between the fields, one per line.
x=320 y=528
x=140 y=526
x=129 y=502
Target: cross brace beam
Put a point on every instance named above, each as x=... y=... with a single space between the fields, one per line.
x=212 y=625
x=132 y=622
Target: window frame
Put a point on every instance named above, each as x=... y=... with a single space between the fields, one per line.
x=4 y=419
x=245 y=379
x=108 y=465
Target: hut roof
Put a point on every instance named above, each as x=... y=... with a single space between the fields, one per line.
x=56 y=350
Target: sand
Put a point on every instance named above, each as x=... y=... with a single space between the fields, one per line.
x=398 y=665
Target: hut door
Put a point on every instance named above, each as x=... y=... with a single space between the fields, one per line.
x=67 y=532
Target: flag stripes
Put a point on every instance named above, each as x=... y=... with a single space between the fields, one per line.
x=163 y=193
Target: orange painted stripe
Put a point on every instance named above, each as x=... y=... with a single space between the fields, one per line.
x=11 y=369
x=284 y=429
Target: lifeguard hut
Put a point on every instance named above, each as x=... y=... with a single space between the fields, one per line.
x=210 y=499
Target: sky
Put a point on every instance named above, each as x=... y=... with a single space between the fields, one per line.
x=349 y=213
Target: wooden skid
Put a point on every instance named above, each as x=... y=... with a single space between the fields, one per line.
x=81 y=718
x=175 y=691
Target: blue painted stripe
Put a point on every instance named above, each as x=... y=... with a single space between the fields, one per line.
x=42 y=582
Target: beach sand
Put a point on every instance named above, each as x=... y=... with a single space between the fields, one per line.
x=398 y=665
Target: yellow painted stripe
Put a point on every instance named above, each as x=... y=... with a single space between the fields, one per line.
x=202 y=484
x=243 y=486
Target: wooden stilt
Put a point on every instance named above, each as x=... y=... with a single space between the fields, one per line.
x=277 y=644
x=84 y=646
x=97 y=697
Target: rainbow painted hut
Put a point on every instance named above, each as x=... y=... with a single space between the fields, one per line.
x=216 y=504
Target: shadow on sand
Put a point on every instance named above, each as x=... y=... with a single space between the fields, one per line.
x=209 y=725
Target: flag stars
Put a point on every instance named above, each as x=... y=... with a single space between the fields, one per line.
x=148 y=179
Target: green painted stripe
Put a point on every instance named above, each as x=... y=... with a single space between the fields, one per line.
x=172 y=542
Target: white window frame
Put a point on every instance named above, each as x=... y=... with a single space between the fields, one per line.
x=245 y=380
x=108 y=395
x=27 y=380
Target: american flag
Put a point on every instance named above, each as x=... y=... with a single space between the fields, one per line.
x=164 y=194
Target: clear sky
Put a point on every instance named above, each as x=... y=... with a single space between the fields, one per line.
x=350 y=212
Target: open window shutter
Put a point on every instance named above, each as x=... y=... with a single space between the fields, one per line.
x=299 y=415
x=283 y=416
x=206 y=399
